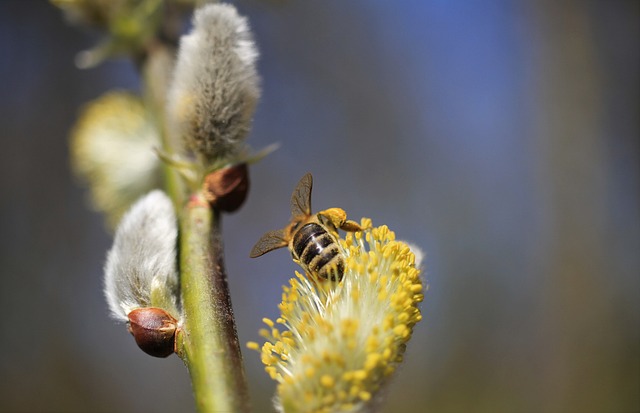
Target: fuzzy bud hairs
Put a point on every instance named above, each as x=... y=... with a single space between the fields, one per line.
x=141 y=266
x=215 y=86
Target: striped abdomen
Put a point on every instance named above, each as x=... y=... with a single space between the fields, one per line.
x=318 y=252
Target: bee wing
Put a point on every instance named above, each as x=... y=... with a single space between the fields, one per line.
x=301 y=197
x=268 y=242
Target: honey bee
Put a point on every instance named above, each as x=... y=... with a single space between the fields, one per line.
x=311 y=238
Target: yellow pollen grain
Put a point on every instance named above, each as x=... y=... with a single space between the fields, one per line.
x=401 y=294
x=401 y=330
x=327 y=381
x=310 y=372
x=416 y=288
x=311 y=334
x=372 y=344
x=265 y=358
x=268 y=322
x=373 y=258
x=360 y=375
x=253 y=345
x=364 y=395
x=372 y=361
x=349 y=327
x=271 y=360
x=373 y=276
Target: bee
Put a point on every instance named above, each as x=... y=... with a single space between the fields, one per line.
x=311 y=238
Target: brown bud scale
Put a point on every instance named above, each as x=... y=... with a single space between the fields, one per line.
x=154 y=330
x=227 y=188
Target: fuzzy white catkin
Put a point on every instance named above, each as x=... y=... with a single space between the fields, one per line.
x=143 y=256
x=215 y=86
x=112 y=151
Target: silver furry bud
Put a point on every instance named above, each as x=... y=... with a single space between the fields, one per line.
x=215 y=86
x=141 y=266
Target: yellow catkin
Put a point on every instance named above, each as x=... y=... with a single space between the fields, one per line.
x=337 y=342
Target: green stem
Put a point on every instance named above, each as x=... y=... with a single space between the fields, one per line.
x=207 y=340
x=156 y=74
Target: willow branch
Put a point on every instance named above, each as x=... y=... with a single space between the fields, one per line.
x=207 y=340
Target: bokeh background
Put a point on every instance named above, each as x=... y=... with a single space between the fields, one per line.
x=502 y=137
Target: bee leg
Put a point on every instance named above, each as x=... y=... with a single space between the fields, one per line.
x=337 y=217
x=351 y=226
x=334 y=216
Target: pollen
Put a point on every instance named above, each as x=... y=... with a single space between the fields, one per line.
x=335 y=344
x=327 y=381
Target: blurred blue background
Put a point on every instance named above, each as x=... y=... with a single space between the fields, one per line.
x=501 y=137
